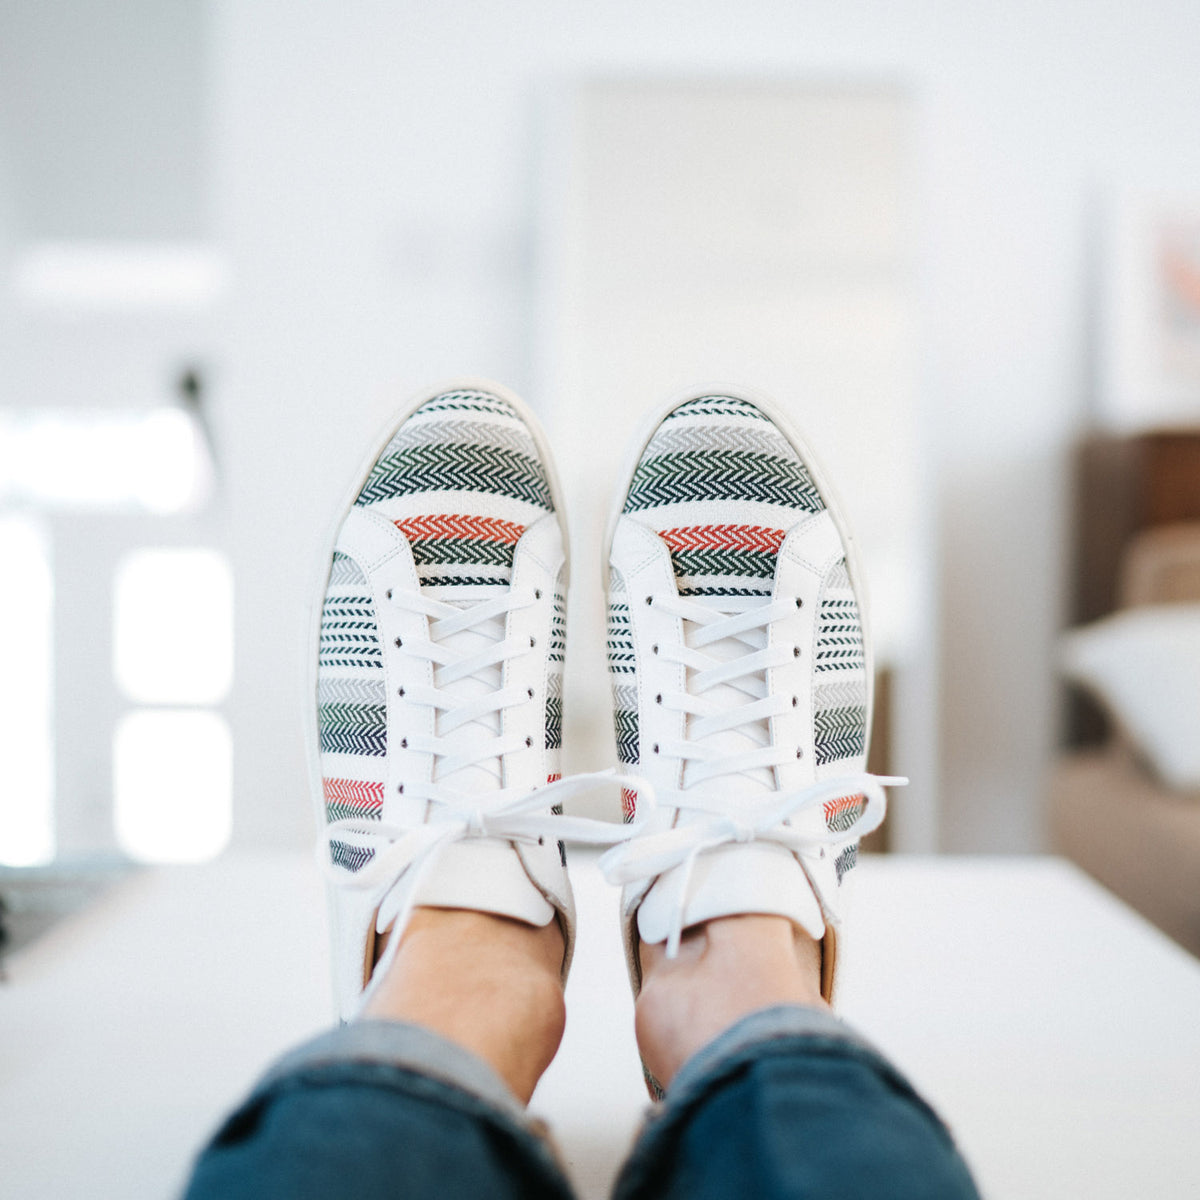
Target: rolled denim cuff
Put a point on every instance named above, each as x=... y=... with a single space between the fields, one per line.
x=407 y=1048
x=696 y=1075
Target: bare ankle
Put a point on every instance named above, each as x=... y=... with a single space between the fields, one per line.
x=725 y=970
x=488 y=983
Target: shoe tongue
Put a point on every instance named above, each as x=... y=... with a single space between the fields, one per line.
x=739 y=740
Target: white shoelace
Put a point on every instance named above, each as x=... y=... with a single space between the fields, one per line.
x=727 y=654
x=468 y=648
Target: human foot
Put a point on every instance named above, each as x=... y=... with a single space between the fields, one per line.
x=725 y=970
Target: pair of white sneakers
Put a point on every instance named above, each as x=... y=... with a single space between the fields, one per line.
x=740 y=670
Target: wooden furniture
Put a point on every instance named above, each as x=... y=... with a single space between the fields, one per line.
x=1123 y=487
x=1137 y=541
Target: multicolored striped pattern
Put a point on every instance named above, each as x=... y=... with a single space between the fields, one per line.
x=622 y=669
x=554 y=678
x=482 y=546
x=722 y=485
x=461 y=479
x=840 y=692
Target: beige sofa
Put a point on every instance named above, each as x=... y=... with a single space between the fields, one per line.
x=1108 y=811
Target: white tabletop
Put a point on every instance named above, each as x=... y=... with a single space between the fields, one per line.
x=1054 y=1030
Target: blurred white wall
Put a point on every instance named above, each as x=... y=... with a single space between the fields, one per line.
x=374 y=171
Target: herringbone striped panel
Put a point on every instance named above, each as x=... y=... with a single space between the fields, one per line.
x=554 y=681
x=628 y=805
x=352 y=858
x=840 y=814
x=710 y=458
x=353 y=728
x=712 y=560
x=622 y=676
x=468 y=401
x=718 y=406
x=620 y=639
x=721 y=475
x=349 y=633
x=746 y=539
x=746 y=437
x=461 y=479
x=464 y=433
x=558 y=630
x=484 y=469
x=458 y=545
x=626 y=723
x=351 y=704
x=840 y=698
x=839 y=636
x=553 y=722
x=846 y=861
x=369 y=690
x=841 y=695
x=840 y=733
x=352 y=798
x=722 y=485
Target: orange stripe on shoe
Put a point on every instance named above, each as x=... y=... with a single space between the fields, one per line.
x=724 y=537
x=628 y=804
x=843 y=804
x=446 y=526
x=354 y=793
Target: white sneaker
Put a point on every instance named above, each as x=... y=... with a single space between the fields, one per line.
x=741 y=676
x=436 y=710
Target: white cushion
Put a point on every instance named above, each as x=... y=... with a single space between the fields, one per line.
x=1143 y=664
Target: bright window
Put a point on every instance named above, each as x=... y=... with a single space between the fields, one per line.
x=173 y=626
x=26 y=662
x=173 y=783
x=155 y=462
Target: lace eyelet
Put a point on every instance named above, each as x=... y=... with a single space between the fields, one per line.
x=649 y=601
x=529 y=741
x=529 y=692
x=400 y=789
x=795 y=701
x=404 y=743
x=658 y=698
x=533 y=641
x=654 y=648
x=541 y=841
x=537 y=593
x=799 y=602
x=655 y=747
x=388 y=593
x=799 y=751
x=399 y=691
x=398 y=642
x=795 y=651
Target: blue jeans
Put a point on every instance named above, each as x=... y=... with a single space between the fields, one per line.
x=787 y=1103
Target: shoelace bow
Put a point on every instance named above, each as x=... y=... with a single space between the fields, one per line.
x=746 y=656
x=402 y=855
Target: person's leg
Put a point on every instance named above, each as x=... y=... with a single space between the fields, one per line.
x=742 y=686
x=768 y=1094
x=487 y=983
x=434 y=731
x=420 y=1097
